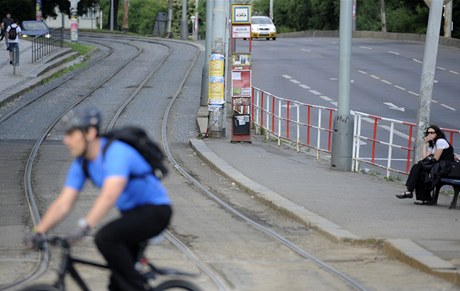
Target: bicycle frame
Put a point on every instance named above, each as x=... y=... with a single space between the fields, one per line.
x=67 y=266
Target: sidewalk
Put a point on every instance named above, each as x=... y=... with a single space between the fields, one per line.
x=28 y=75
x=344 y=206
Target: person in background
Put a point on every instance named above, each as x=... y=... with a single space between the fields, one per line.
x=6 y=21
x=12 y=43
x=436 y=147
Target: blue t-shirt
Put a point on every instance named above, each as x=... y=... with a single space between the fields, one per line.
x=121 y=160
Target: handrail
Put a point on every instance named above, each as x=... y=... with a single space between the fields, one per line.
x=45 y=44
x=378 y=141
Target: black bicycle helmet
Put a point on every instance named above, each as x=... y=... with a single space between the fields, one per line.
x=82 y=118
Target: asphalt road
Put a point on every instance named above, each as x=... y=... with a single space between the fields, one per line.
x=382 y=73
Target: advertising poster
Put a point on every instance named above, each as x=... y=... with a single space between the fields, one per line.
x=216 y=65
x=216 y=90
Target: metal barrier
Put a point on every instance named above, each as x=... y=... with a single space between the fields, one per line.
x=381 y=142
x=45 y=44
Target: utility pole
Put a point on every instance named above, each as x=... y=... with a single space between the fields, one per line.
x=183 y=22
x=112 y=14
x=383 y=15
x=271 y=10
x=448 y=19
x=216 y=114
x=168 y=29
x=342 y=137
x=205 y=74
x=124 y=26
x=74 y=20
x=38 y=8
x=427 y=79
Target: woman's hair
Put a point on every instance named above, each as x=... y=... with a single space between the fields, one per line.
x=439 y=134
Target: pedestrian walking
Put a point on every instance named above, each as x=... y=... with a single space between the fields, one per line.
x=12 y=38
x=6 y=21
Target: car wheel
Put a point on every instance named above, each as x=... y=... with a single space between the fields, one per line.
x=268 y=38
x=274 y=38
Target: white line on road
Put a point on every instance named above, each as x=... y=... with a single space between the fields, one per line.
x=434 y=101
x=395 y=53
x=454 y=72
x=375 y=77
x=294 y=81
x=287 y=76
x=387 y=82
x=365 y=47
x=315 y=92
x=448 y=107
x=417 y=61
x=363 y=72
x=305 y=50
x=304 y=86
x=399 y=87
x=413 y=93
x=325 y=98
x=442 y=69
x=334 y=103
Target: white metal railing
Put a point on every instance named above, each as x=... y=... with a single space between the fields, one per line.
x=381 y=142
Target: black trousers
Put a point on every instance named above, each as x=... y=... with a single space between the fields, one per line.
x=413 y=177
x=119 y=243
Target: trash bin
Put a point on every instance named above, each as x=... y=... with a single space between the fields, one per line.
x=241 y=124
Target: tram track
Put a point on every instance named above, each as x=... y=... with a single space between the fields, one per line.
x=352 y=283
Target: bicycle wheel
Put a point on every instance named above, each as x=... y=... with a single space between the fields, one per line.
x=40 y=287
x=177 y=284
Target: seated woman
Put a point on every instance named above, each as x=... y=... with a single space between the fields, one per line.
x=436 y=146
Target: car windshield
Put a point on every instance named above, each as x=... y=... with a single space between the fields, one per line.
x=34 y=26
x=261 y=20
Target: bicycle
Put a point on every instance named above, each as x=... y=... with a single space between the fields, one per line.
x=66 y=267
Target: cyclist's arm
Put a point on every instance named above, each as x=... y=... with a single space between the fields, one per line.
x=58 y=209
x=110 y=191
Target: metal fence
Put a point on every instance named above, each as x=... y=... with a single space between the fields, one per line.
x=46 y=44
x=381 y=142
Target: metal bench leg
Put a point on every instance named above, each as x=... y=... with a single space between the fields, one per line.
x=453 y=204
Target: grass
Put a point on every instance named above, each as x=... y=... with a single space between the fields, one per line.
x=78 y=47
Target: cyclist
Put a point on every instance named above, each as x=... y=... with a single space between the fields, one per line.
x=142 y=200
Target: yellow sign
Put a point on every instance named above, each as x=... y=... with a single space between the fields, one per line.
x=216 y=68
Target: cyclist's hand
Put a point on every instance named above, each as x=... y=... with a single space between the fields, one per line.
x=77 y=234
x=35 y=241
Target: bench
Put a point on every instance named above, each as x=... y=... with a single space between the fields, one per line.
x=455 y=183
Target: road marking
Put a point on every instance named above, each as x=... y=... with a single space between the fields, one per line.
x=413 y=93
x=375 y=77
x=365 y=47
x=434 y=101
x=304 y=86
x=454 y=72
x=294 y=81
x=417 y=61
x=387 y=82
x=315 y=92
x=399 y=87
x=394 y=53
x=334 y=103
x=394 y=107
x=448 y=107
x=442 y=69
x=363 y=72
x=286 y=76
x=325 y=98
x=305 y=50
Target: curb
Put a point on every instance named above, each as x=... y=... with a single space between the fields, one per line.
x=404 y=250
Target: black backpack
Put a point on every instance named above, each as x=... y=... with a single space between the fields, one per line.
x=138 y=139
x=12 y=33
